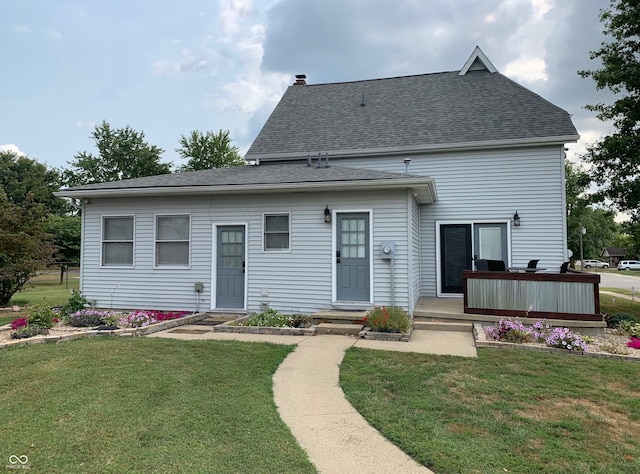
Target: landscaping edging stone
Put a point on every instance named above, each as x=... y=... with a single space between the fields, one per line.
x=232 y=328
x=370 y=335
x=482 y=341
x=122 y=332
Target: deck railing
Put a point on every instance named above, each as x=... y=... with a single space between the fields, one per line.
x=573 y=296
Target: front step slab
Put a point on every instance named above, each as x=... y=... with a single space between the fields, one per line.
x=336 y=328
x=462 y=326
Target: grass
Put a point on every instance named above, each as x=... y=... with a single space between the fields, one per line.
x=620 y=305
x=145 y=405
x=45 y=289
x=506 y=411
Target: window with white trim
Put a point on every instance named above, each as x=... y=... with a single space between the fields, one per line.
x=173 y=233
x=117 y=241
x=276 y=232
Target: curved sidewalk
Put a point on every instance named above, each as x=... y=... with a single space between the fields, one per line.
x=334 y=435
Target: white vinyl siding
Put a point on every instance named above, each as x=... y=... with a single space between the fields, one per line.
x=173 y=234
x=277 y=232
x=486 y=186
x=117 y=241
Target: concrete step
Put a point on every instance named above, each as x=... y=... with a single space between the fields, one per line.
x=213 y=319
x=458 y=326
x=338 y=328
x=336 y=316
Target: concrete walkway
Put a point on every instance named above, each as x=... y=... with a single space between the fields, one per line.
x=310 y=401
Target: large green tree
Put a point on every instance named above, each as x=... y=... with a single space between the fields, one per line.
x=25 y=247
x=66 y=233
x=123 y=153
x=615 y=159
x=208 y=150
x=582 y=212
x=20 y=175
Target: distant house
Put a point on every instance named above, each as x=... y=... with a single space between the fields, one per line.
x=613 y=255
x=363 y=193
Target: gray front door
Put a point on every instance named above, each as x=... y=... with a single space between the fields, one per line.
x=230 y=267
x=352 y=257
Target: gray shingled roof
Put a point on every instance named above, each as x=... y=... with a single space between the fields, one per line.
x=430 y=110
x=276 y=177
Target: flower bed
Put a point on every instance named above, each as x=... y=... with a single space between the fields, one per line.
x=271 y=322
x=387 y=323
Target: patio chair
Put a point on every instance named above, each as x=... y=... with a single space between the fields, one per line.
x=482 y=265
x=564 y=267
x=496 y=266
x=532 y=264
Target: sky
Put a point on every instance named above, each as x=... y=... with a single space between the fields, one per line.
x=167 y=68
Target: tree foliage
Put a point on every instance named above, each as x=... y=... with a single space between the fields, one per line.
x=25 y=247
x=616 y=157
x=20 y=175
x=66 y=231
x=601 y=228
x=208 y=150
x=123 y=153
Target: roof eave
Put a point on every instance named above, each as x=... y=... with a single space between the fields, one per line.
x=423 y=188
x=418 y=149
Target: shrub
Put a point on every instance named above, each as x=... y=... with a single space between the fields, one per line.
x=563 y=338
x=29 y=331
x=18 y=323
x=388 y=319
x=42 y=316
x=299 y=320
x=76 y=303
x=88 y=317
x=614 y=320
x=511 y=331
x=629 y=328
x=271 y=318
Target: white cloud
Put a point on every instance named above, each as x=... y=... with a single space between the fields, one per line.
x=11 y=148
x=21 y=28
x=54 y=34
x=232 y=12
x=205 y=61
x=527 y=69
x=85 y=124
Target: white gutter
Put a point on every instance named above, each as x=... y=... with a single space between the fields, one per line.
x=422 y=186
x=413 y=149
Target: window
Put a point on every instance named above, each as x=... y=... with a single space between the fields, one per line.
x=117 y=241
x=172 y=240
x=276 y=232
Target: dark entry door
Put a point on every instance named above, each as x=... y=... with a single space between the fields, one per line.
x=352 y=257
x=455 y=256
x=230 y=267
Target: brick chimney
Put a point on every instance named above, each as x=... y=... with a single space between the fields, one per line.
x=301 y=80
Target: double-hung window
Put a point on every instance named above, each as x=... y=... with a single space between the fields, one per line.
x=117 y=241
x=276 y=232
x=173 y=234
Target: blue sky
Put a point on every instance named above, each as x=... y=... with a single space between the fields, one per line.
x=167 y=68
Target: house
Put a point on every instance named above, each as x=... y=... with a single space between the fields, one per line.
x=612 y=255
x=372 y=192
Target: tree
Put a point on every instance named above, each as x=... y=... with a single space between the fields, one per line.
x=616 y=157
x=25 y=247
x=66 y=231
x=20 y=175
x=122 y=154
x=209 y=150
x=601 y=228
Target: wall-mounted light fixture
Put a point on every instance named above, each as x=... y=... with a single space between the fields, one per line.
x=516 y=219
x=327 y=214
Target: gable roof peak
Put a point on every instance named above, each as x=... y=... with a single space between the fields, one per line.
x=478 y=61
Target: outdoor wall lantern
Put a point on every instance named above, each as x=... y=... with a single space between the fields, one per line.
x=516 y=219
x=327 y=214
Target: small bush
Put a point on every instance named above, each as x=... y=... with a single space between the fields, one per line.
x=29 y=331
x=614 y=320
x=42 y=316
x=629 y=328
x=272 y=318
x=563 y=338
x=76 y=303
x=18 y=323
x=87 y=318
x=388 y=319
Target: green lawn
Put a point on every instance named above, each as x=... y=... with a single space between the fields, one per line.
x=610 y=304
x=45 y=289
x=118 y=405
x=506 y=411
